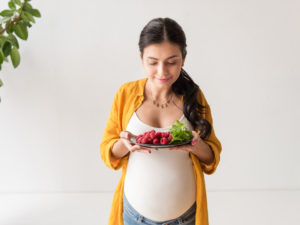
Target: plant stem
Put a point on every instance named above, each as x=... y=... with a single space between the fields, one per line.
x=14 y=20
x=10 y=24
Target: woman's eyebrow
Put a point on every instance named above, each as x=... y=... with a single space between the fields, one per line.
x=173 y=56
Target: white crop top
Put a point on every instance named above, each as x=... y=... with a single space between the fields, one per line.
x=161 y=185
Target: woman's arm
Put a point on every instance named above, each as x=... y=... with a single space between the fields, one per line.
x=203 y=151
x=211 y=140
x=122 y=147
x=119 y=150
x=111 y=134
x=207 y=150
x=199 y=148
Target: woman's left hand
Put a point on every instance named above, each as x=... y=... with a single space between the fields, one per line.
x=195 y=144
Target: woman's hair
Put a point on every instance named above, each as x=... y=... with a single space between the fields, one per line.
x=166 y=29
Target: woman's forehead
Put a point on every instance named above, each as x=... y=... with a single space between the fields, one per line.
x=162 y=51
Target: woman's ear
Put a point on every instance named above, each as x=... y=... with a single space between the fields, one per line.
x=141 y=56
x=183 y=62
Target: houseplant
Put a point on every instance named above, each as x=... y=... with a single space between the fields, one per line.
x=14 y=24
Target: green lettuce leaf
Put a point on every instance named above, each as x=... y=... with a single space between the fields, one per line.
x=180 y=133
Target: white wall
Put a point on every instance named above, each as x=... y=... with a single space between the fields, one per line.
x=243 y=54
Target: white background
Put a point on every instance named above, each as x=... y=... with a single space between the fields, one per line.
x=245 y=57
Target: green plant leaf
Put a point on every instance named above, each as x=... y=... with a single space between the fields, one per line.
x=9 y=29
x=11 y=5
x=18 y=2
x=13 y=40
x=180 y=133
x=6 y=48
x=35 y=13
x=32 y=11
x=15 y=57
x=28 y=17
x=1 y=83
x=1 y=57
x=7 y=13
x=27 y=6
x=21 y=31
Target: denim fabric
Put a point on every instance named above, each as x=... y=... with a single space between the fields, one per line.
x=132 y=217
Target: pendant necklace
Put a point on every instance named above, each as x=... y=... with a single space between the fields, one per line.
x=159 y=105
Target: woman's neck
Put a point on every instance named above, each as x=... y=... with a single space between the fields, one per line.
x=159 y=93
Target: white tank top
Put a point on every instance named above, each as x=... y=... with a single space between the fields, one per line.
x=161 y=185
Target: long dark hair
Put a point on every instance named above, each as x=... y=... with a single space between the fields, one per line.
x=166 y=29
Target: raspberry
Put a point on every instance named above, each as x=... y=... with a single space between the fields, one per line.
x=139 y=136
x=152 y=134
x=143 y=140
x=158 y=135
x=164 y=141
x=149 y=140
x=155 y=141
x=169 y=138
x=165 y=134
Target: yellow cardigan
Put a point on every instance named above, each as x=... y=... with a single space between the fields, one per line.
x=126 y=101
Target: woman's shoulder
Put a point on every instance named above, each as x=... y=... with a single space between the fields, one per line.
x=201 y=97
x=133 y=87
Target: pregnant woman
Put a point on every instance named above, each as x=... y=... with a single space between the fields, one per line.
x=163 y=185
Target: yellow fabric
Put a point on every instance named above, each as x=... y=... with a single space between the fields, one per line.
x=126 y=101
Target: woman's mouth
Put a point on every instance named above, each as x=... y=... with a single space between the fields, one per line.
x=163 y=80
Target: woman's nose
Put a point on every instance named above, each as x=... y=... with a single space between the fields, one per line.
x=162 y=70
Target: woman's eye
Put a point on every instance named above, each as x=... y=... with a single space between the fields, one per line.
x=170 y=63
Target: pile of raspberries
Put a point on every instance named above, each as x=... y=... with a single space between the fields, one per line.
x=156 y=138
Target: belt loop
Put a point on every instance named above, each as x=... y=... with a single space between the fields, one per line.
x=180 y=220
x=140 y=218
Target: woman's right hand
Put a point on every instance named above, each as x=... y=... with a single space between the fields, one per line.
x=125 y=136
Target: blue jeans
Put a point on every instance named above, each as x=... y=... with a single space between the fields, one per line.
x=132 y=217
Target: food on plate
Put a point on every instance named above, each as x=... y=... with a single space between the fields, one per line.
x=177 y=134
x=155 y=138
x=180 y=133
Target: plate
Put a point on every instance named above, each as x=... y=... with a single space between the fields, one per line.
x=133 y=140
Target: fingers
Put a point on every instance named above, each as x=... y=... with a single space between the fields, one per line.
x=125 y=134
x=180 y=148
x=195 y=137
x=139 y=148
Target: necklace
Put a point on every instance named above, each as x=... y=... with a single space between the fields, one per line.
x=159 y=105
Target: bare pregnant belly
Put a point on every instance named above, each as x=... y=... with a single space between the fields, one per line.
x=160 y=185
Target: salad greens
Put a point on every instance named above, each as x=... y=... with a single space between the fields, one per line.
x=180 y=133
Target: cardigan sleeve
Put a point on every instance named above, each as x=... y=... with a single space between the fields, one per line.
x=112 y=134
x=211 y=139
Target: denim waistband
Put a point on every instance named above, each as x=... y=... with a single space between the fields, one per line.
x=138 y=217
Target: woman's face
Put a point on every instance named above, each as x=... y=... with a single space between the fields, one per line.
x=162 y=63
